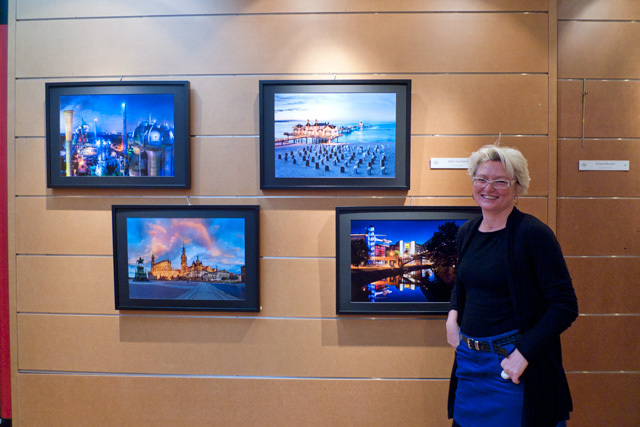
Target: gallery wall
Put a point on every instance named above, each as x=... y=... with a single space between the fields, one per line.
x=598 y=211
x=480 y=71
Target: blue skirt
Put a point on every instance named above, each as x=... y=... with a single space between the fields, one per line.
x=483 y=397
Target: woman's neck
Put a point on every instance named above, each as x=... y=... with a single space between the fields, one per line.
x=494 y=221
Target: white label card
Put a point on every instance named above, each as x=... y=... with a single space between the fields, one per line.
x=603 y=165
x=449 y=163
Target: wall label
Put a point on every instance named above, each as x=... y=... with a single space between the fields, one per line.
x=603 y=165
x=449 y=163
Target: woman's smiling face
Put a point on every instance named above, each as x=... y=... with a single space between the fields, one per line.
x=490 y=200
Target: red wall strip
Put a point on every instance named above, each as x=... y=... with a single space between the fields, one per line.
x=5 y=362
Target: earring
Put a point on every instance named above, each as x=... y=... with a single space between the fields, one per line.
x=516 y=201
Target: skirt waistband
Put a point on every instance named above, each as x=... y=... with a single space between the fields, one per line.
x=491 y=345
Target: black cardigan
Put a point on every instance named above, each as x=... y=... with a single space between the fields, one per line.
x=545 y=304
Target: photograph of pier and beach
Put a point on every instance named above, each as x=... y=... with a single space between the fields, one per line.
x=335 y=135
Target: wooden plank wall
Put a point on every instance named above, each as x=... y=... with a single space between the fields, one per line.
x=479 y=70
x=599 y=212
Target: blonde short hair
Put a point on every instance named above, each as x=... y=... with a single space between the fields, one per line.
x=512 y=159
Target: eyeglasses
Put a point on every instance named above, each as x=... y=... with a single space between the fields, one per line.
x=498 y=184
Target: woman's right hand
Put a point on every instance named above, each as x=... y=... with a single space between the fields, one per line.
x=453 y=329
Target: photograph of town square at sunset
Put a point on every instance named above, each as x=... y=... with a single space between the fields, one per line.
x=403 y=261
x=186 y=258
x=117 y=135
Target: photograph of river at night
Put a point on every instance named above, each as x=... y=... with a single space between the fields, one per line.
x=403 y=261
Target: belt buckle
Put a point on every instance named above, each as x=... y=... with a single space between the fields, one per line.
x=472 y=344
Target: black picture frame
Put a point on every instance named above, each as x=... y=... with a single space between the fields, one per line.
x=336 y=134
x=381 y=253
x=214 y=250
x=118 y=134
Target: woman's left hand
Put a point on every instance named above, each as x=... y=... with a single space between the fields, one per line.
x=514 y=365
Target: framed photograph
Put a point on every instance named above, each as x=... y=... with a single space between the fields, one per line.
x=186 y=257
x=345 y=134
x=118 y=134
x=397 y=260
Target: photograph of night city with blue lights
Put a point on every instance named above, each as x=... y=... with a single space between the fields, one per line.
x=336 y=133
x=186 y=257
x=405 y=259
x=118 y=134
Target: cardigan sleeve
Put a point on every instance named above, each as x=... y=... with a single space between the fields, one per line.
x=550 y=295
x=453 y=302
x=462 y=232
x=457 y=300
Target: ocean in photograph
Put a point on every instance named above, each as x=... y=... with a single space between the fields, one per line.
x=335 y=150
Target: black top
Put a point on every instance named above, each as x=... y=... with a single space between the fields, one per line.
x=489 y=310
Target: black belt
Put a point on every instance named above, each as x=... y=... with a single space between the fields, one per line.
x=495 y=346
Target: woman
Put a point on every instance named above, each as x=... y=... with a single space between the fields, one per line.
x=512 y=299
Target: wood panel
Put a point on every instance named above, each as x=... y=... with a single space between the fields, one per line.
x=219 y=167
x=303 y=227
x=30 y=108
x=449 y=42
x=602 y=343
x=304 y=231
x=536 y=206
x=599 y=226
x=598 y=50
x=69 y=225
x=570 y=109
x=147 y=401
x=599 y=9
x=33 y=9
x=447 y=182
x=307 y=233
x=310 y=282
x=203 y=345
x=612 y=109
x=65 y=284
x=482 y=104
x=84 y=284
x=225 y=166
x=604 y=399
x=304 y=364
x=82 y=225
x=30 y=167
x=441 y=104
x=229 y=167
x=575 y=183
x=605 y=284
